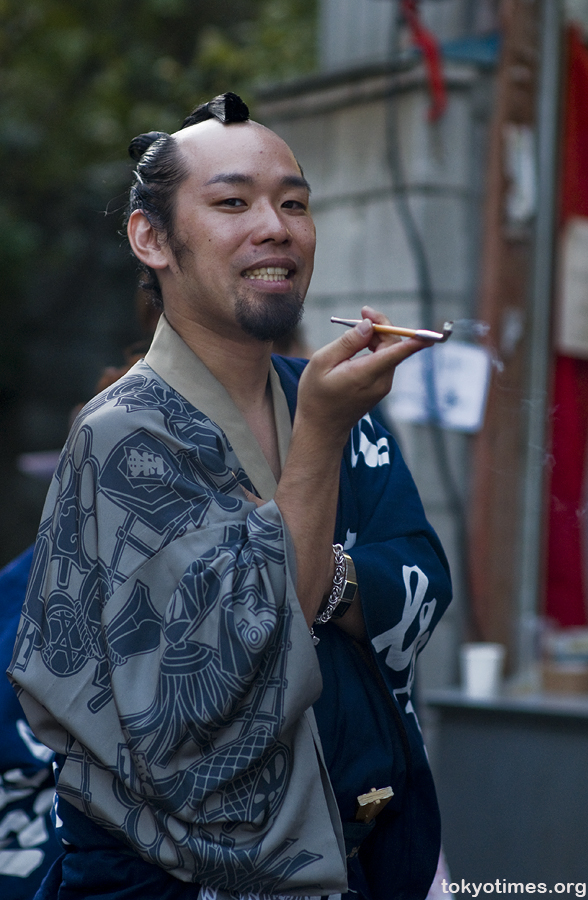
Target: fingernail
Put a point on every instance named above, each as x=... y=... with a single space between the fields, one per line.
x=364 y=327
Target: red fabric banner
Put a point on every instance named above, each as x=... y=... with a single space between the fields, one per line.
x=566 y=567
x=429 y=46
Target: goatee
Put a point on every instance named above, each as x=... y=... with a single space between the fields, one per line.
x=271 y=317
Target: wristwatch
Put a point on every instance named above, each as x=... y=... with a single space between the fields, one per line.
x=349 y=591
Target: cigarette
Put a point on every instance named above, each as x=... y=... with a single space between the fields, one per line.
x=422 y=334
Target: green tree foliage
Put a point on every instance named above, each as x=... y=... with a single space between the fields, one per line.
x=77 y=81
x=279 y=43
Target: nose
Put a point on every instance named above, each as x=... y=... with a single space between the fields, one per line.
x=270 y=225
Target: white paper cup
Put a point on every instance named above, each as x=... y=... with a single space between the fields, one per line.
x=481 y=669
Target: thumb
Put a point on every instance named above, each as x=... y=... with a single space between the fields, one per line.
x=350 y=343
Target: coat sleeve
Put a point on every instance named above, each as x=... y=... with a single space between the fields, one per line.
x=403 y=573
x=160 y=609
x=163 y=651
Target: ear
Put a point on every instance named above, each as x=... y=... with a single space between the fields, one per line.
x=147 y=243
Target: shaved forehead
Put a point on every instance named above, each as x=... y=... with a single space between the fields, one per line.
x=201 y=128
x=234 y=146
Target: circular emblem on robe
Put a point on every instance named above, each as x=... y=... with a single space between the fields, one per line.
x=269 y=787
x=62 y=641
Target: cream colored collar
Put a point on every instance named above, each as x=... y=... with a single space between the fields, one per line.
x=171 y=358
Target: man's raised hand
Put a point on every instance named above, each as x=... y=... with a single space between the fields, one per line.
x=339 y=386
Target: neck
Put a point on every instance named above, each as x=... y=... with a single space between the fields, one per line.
x=241 y=365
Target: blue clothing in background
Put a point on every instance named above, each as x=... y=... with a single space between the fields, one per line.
x=27 y=842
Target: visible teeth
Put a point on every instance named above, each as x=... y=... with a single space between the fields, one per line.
x=267 y=273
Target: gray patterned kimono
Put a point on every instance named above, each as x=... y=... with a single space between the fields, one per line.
x=162 y=648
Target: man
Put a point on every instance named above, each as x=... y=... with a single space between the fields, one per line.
x=168 y=647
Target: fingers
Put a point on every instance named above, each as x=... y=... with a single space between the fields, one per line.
x=387 y=355
x=340 y=384
x=379 y=339
x=252 y=498
x=343 y=348
x=363 y=336
x=388 y=350
x=347 y=345
x=368 y=312
x=378 y=318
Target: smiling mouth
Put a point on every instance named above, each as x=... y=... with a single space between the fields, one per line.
x=267 y=273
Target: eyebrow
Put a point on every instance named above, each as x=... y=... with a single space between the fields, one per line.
x=296 y=181
x=238 y=178
x=230 y=178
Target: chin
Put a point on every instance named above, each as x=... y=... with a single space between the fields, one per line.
x=270 y=318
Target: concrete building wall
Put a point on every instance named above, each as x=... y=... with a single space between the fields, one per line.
x=356 y=31
x=338 y=125
x=359 y=32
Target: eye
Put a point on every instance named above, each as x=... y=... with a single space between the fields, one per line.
x=233 y=202
x=294 y=204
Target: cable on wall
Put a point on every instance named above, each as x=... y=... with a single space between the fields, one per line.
x=427 y=306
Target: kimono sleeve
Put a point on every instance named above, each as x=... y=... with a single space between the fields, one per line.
x=402 y=570
x=159 y=612
x=162 y=650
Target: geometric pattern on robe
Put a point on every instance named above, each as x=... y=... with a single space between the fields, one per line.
x=405 y=587
x=163 y=650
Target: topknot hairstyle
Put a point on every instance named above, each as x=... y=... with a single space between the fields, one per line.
x=227 y=108
x=160 y=171
x=140 y=144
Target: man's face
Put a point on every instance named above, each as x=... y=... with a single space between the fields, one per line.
x=244 y=228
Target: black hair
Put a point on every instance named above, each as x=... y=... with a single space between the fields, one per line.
x=160 y=171
x=227 y=108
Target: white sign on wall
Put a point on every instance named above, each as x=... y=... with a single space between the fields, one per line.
x=460 y=374
x=572 y=306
